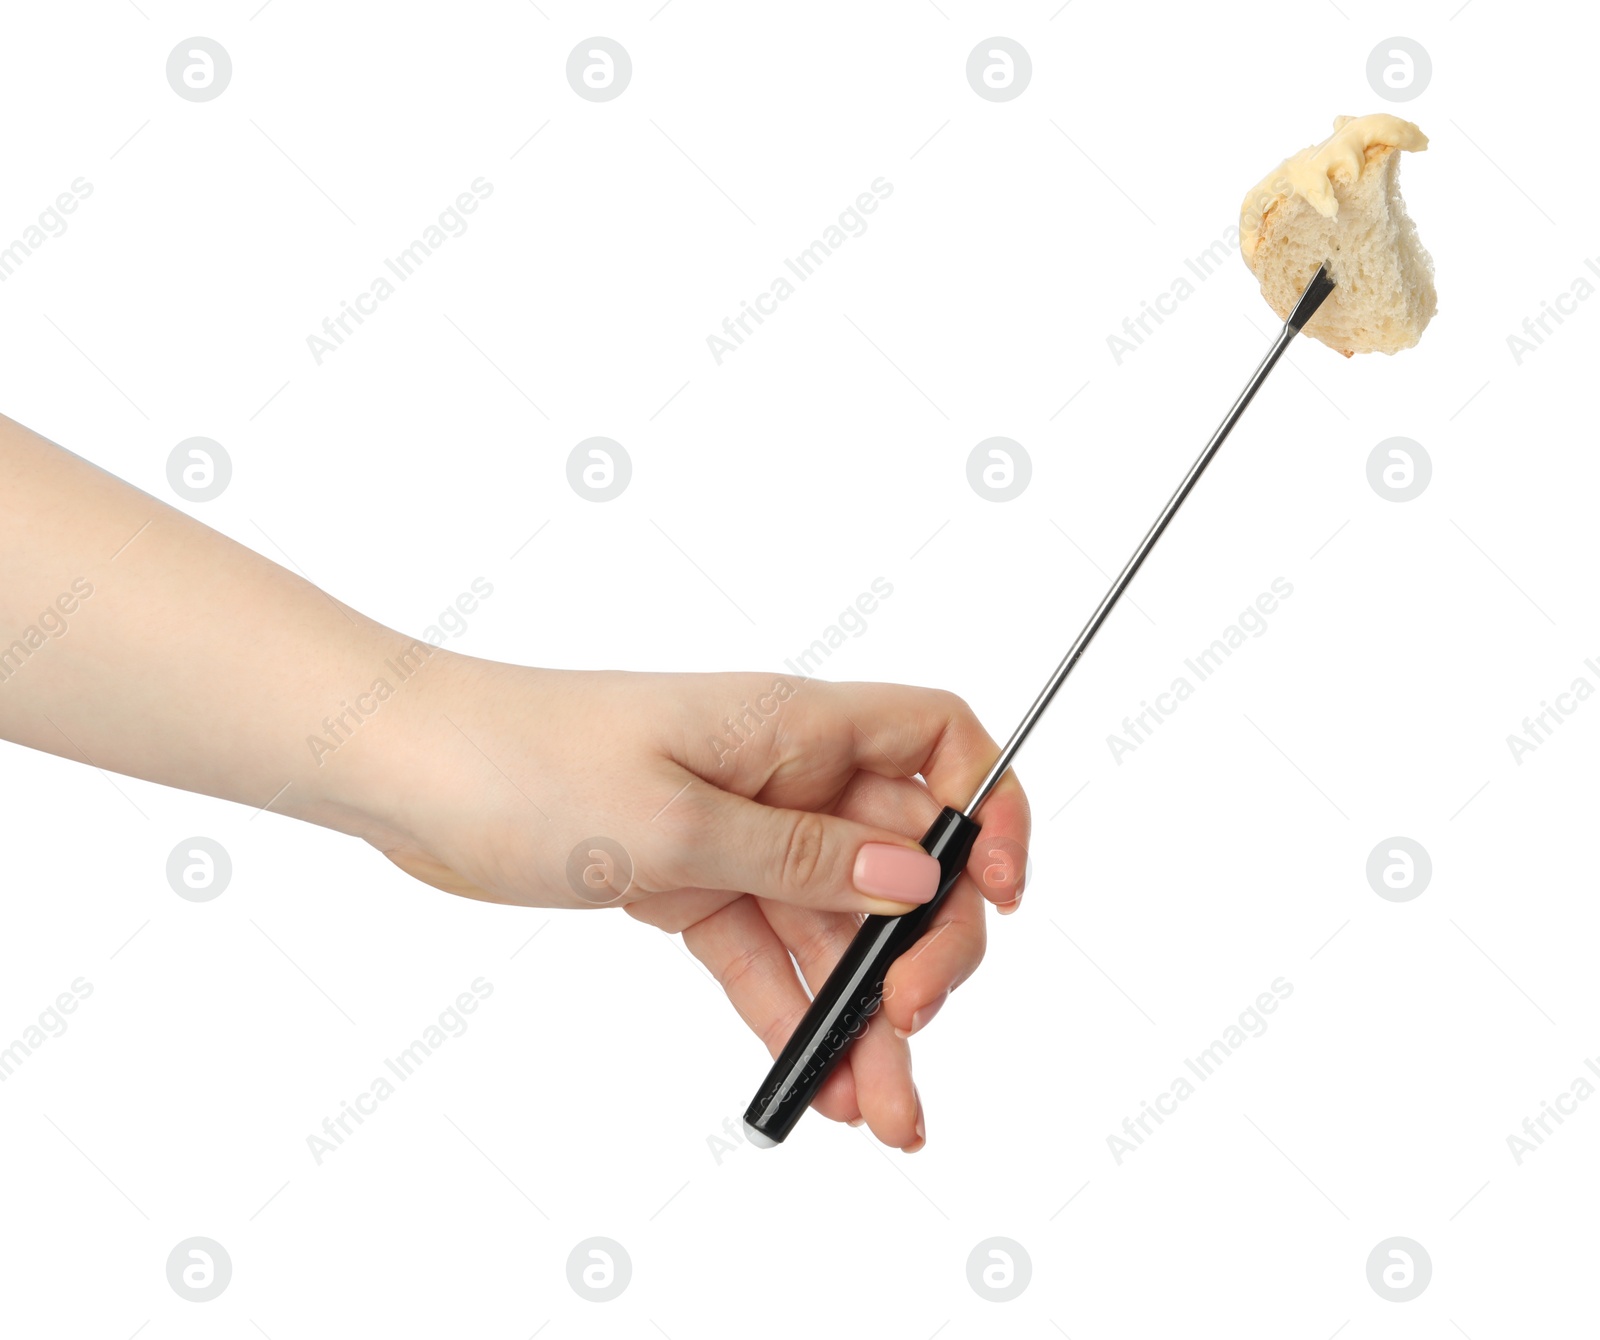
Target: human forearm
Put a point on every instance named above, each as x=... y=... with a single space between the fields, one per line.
x=135 y=638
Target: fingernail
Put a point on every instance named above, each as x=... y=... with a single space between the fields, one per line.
x=859 y=1121
x=919 y=1020
x=1006 y=909
x=922 y=1129
x=900 y=874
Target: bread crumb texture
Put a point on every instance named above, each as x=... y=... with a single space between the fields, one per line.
x=1338 y=202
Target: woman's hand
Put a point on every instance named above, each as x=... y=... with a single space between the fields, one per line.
x=760 y=815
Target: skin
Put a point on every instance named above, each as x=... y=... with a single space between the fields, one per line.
x=197 y=663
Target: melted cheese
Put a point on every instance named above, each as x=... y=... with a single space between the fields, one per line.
x=1310 y=173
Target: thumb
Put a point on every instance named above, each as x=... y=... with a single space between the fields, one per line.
x=795 y=856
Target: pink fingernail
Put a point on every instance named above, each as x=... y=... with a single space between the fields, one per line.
x=922 y=1126
x=900 y=874
x=919 y=1020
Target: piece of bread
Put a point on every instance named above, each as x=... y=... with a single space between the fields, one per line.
x=1339 y=202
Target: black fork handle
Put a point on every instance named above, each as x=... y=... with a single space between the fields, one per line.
x=853 y=992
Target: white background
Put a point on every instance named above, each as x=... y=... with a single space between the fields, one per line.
x=1168 y=889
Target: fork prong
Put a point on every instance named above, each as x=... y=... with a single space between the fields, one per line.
x=1316 y=293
